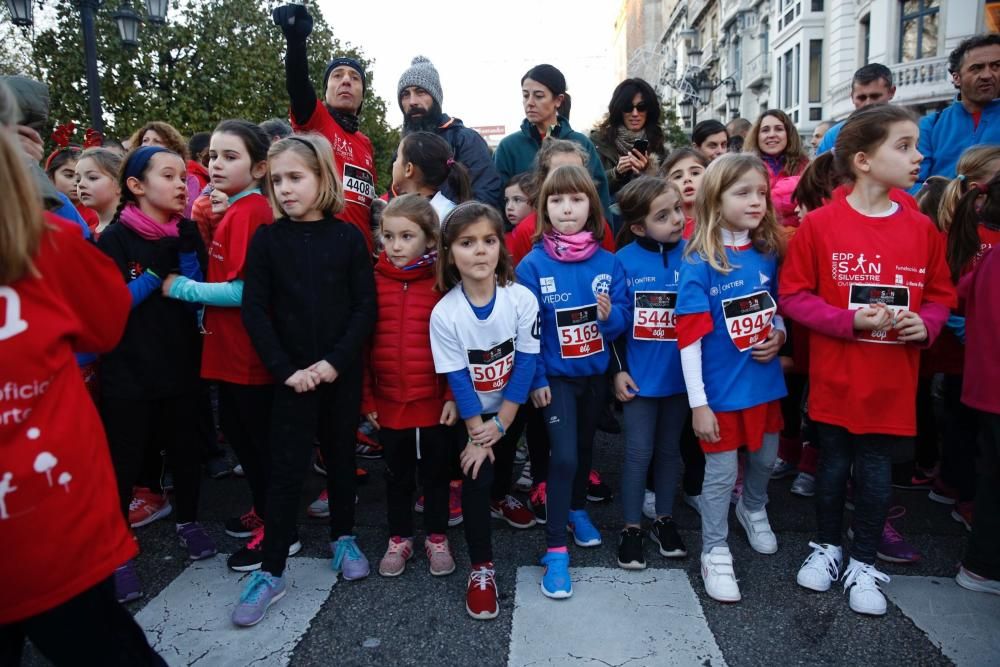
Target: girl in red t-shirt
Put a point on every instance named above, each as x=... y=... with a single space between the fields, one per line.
x=237 y=165
x=867 y=276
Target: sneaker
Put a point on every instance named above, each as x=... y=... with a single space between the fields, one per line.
x=394 y=561
x=250 y=557
x=911 y=477
x=348 y=559
x=536 y=499
x=147 y=507
x=438 y=551
x=366 y=447
x=963 y=513
x=649 y=505
x=521 y=452
x=861 y=582
x=260 y=592
x=513 y=512
x=197 y=542
x=973 y=582
x=418 y=506
x=481 y=593
x=218 y=467
x=664 y=533
x=630 y=552
x=804 y=485
x=523 y=483
x=319 y=465
x=718 y=574
x=243 y=526
x=455 y=504
x=942 y=493
x=892 y=547
x=556 y=583
x=320 y=508
x=598 y=491
x=758 y=529
x=127 y=586
x=821 y=568
x=694 y=502
x=238 y=470
x=782 y=468
x=584 y=532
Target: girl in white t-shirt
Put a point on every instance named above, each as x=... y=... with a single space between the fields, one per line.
x=484 y=337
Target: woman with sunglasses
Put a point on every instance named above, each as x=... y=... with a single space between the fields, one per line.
x=630 y=139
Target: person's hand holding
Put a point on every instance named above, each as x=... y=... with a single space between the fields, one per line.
x=472 y=457
x=302 y=381
x=705 y=424
x=872 y=318
x=486 y=434
x=767 y=349
x=294 y=21
x=625 y=387
x=167 y=283
x=911 y=327
x=640 y=161
x=323 y=371
x=603 y=307
x=541 y=397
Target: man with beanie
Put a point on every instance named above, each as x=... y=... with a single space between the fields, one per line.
x=335 y=116
x=419 y=96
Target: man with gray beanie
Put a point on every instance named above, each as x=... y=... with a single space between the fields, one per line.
x=419 y=95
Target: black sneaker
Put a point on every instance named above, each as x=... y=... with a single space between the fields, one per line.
x=598 y=491
x=910 y=476
x=664 y=533
x=536 y=500
x=244 y=525
x=630 y=554
x=250 y=557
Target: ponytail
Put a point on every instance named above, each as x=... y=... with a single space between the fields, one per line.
x=963 y=235
x=433 y=157
x=458 y=180
x=977 y=165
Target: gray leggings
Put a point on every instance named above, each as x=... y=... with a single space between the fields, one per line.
x=720 y=477
x=652 y=424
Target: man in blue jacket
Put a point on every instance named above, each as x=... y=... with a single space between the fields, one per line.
x=973 y=118
x=872 y=84
x=419 y=95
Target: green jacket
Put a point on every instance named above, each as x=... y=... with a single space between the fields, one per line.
x=516 y=154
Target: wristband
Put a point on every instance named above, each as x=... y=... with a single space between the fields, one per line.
x=500 y=428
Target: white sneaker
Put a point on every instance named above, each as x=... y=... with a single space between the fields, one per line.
x=718 y=574
x=782 y=468
x=861 y=581
x=804 y=485
x=649 y=505
x=821 y=568
x=523 y=483
x=758 y=529
x=973 y=582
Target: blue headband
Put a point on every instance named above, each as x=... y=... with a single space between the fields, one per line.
x=138 y=160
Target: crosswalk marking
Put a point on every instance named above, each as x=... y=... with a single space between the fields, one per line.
x=188 y=622
x=963 y=624
x=615 y=617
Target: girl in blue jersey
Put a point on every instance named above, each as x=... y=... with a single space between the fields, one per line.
x=729 y=335
x=581 y=294
x=648 y=381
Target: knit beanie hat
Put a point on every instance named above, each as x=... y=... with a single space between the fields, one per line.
x=422 y=74
x=548 y=76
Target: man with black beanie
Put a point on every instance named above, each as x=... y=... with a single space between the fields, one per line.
x=335 y=116
x=419 y=95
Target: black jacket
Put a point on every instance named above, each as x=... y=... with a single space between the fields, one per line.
x=308 y=294
x=471 y=150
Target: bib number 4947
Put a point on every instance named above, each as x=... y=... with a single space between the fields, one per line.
x=579 y=333
x=748 y=318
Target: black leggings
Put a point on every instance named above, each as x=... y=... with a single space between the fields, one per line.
x=90 y=629
x=400 y=451
x=245 y=420
x=134 y=425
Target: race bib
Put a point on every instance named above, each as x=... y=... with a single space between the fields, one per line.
x=895 y=297
x=654 y=317
x=491 y=368
x=579 y=335
x=748 y=318
x=359 y=185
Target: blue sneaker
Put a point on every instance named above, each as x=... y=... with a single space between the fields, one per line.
x=348 y=559
x=262 y=590
x=585 y=534
x=556 y=583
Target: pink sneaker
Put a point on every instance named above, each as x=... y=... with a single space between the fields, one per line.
x=394 y=561
x=439 y=556
x=893 y=548
x=455 y=503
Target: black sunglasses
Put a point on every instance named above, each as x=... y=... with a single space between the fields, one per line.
x=640 y=107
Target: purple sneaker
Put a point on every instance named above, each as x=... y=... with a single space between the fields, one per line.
x=262 y=590
x=127 y=586
x=348 y=559
x=199 y=544
x=893 y=548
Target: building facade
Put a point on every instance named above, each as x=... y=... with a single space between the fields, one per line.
x=796 y=55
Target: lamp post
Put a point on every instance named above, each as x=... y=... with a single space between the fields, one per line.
x=128 y=30
x=696 y=87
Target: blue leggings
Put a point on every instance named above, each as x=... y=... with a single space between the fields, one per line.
x=652 y=424
x=571 y=419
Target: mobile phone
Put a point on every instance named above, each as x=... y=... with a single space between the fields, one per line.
x=641 y=145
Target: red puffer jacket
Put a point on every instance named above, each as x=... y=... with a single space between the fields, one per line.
x=400 y=383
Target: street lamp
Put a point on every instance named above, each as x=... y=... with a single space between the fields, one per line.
x=20 y=12
x=697 y=86
x=156 y=11
x=128 y=25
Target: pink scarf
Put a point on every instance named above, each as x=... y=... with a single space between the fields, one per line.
x=143 y=225
x=569 y=247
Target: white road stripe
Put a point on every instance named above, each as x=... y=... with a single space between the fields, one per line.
x=615 y=617
x=188 y=622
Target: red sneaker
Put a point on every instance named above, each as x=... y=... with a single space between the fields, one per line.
x=513 y=512
x=481 y=594
x=367 y=448
x=147 y=507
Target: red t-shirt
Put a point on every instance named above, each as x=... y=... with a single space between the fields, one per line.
x=866 y=384
x=519 y=241
x=355 y=160
x=61 y=525
x=228 y=354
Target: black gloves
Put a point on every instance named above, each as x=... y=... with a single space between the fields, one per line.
x=294 y=21
x=188 y=238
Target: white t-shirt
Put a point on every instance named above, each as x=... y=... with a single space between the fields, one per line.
x=460 y=340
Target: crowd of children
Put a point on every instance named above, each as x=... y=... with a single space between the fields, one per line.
x=470 y=328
